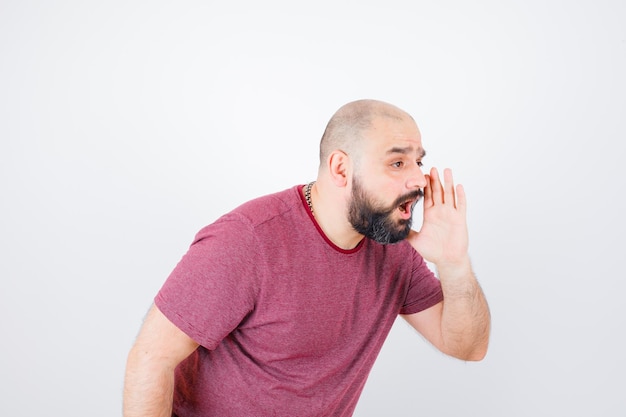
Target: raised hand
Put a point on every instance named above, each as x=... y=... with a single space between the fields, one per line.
x=460 y=325
x=443 y=238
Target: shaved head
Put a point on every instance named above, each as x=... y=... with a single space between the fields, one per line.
x=346 y=128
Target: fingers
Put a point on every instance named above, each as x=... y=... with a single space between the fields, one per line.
x=461 y=202
x=428 y=192
x=449 y=186
x=438 y=193
x=435 y=186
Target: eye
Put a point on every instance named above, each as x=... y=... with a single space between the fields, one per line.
x=420 y=164
x=398 y=164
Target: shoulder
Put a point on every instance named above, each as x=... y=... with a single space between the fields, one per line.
x=255 y=213
x=262 y=209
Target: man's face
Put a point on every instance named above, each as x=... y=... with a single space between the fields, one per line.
x=388 y=181
x=379 y=223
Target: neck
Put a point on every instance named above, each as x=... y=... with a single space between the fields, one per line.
x=329 y=211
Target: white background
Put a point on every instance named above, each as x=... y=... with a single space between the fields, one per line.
x=127 y=126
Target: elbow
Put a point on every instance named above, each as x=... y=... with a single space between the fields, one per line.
x=477 y=350
x=473 y=352
x=473 y=348
x=476 y=355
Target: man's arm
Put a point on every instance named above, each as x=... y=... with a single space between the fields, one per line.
x=149 y=381
x=460 y=325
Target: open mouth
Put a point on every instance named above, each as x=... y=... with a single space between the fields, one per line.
x=407 y=202
x=406 y=206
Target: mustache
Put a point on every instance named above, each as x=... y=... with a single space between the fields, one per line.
x=416 y=195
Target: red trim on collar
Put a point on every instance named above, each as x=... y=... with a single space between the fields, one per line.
x=319 y=229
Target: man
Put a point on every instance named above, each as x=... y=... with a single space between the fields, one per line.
x=280 y=307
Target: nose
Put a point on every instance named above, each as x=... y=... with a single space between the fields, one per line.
x=416 y=178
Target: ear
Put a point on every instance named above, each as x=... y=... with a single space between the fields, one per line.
x=339 y=166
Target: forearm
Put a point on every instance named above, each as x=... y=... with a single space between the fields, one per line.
x=465 y=321
x=148 y=387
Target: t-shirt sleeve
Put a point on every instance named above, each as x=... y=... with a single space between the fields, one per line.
x=424 y=288
x=213 y=287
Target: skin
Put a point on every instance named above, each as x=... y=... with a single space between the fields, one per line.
x=386 y=158
x=388 y=165
x=149 y=380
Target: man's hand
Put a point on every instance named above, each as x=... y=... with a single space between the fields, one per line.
x=443 y=238
x=458 y=326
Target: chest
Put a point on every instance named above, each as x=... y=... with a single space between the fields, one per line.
x=308 y=310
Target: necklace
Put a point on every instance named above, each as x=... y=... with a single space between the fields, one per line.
x=307 y=195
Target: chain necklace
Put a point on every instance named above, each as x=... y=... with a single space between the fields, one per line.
x=307 y=195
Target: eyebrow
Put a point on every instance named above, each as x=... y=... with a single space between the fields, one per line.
x=406 y=150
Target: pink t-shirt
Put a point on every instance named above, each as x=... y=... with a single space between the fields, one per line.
x=289 y=324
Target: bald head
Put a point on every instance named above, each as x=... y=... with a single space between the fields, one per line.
x=346 y=128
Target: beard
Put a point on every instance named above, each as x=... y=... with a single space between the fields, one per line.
x=377 y=222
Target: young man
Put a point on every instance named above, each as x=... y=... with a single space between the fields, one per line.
x=281 y=306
